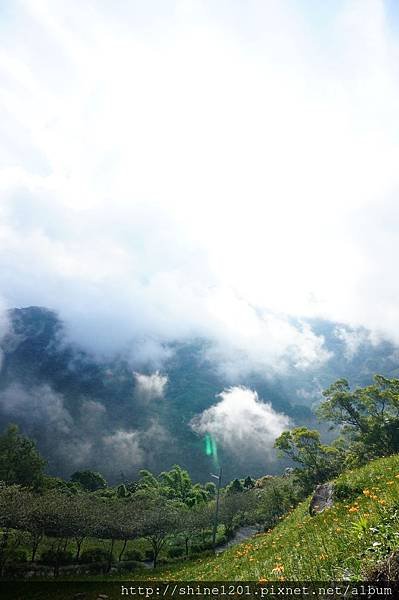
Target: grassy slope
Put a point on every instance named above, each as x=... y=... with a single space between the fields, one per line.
x=332 y=545
x=335 y=544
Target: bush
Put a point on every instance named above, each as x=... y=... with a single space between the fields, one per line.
x=56 y=557
x=135 y=555
x=221 y=539
x=198 y=548
x=97 y=568
x=15 y=570
x=129 y=565
x=18 y=556
x=208 y=553
x=95 y=555
x=176 y=551
x=346 y=491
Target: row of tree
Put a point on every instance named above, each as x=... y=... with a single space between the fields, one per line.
x=147 y=513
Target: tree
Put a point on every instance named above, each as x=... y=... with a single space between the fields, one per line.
x=194 y=520
x=176 y=484
x=210 y=489
x=368 y=417
x=20 y=461
x=56 y=483
x=249 y=483
x=80 y=515
x=317 y=462
x=235 y=509
x=122 y=491
x=89 y=480
x=36 y=524
x=109 y=524
x=128 y=513
x=15 y=506
x=148 y=481
x=275 y=498
x=234 y=487
x=159 y=520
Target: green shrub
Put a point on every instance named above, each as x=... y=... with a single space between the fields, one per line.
x=346 y=491
x=221 y=539
x=95 y=555
x=56 y=557
x=201 y=547
x=129 y=565
x=97 y=568
x=18 y=556
x=204 y=554
x=176 y=551
x=134 y=554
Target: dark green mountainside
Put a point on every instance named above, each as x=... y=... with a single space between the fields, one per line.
x=89 y=412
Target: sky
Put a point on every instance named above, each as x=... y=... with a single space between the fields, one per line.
x=174 y=169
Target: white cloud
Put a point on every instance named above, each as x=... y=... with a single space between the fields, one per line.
x=92 y=414
x=183 y=169
x=353 y=339
x=4 y=328
x=128 y=450
x=39 y=405
x=248 y=340
x=151 y=386
x=124 y=447
x=242 y=423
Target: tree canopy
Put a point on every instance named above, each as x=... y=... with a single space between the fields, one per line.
x=89 y=480
x=20 y=461
x=368 y=417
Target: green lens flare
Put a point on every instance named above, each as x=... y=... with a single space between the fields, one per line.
x=214 y=450
x=211 y=448
x=208 y=445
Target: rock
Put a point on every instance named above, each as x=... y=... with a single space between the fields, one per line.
x=80 y=596
x=102 y=597
x=322 y=498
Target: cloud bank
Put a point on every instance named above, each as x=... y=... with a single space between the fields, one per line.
x=88 y=438
x=172 y=169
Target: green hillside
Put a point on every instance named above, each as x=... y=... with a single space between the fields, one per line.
x=345 y=541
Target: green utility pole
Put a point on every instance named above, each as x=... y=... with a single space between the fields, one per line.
x=215 y=523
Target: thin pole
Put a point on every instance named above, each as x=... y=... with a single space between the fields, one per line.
x=215 y=523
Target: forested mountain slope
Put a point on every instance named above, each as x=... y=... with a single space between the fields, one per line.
x=122 y=413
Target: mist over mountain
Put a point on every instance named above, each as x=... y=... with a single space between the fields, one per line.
x=199 y=206
x=118 y=414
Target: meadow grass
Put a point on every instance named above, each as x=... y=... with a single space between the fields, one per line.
x=339 y=543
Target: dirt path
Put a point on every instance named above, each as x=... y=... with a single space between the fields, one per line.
x=240 y=535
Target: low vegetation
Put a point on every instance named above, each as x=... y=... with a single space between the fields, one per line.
x=343 y=542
